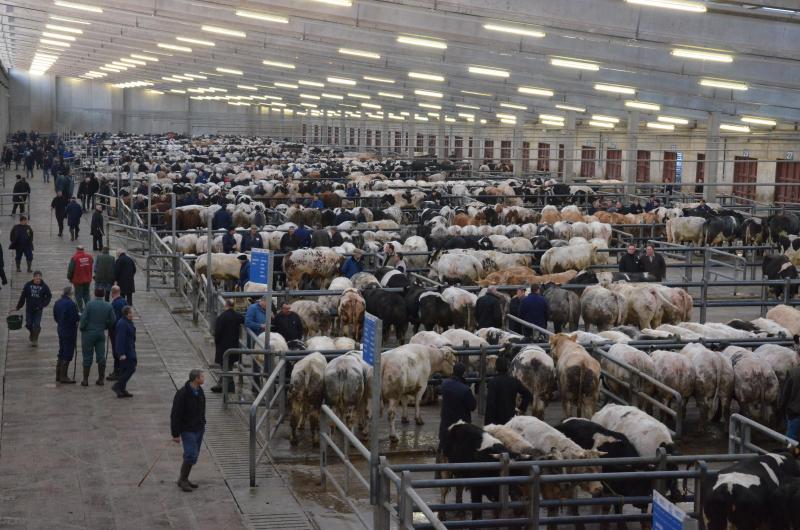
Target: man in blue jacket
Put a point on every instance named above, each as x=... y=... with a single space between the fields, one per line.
x=228 y=241
x=117 y=303
x=255 y=319
x=74 y=213
x=125 y=340
x=35 y=296
x=353 y=265
x=222 y=219
x=303 y=236
x=533 y=309
x=458 y=402
x=65 y=313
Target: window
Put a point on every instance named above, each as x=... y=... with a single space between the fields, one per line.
x=316 y=134
x=745 y=171
x=431 y=144
x=336 y=135
x=488 y=149
x=505 y=151
x=642 y=166
x=458 y=149
x=543 y=157
x=446 y=146
x=588 y=155
x=398 y=139
x=329 y=135
x=669 y=166
x=378 y=139
x=420 y=142
x=526 y=156
x=614 y=164
x=787 y=172
x=469 y=155
x=560 y=160
x=369 y=138
x=700 y=174
x=304 y=133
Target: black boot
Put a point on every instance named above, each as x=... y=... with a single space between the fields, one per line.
x=189 y=482
x=29 y=267
x=65 y=380
x=58 y=370
x=101 y=373
x=35 y=336
x=86 y=370
x=183 y=480
x=113 y=376
x=18 y=269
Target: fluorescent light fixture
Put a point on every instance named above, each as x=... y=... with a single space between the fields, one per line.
x=359 y=53
x=125 y=60
x=65 y=29
x=734 y=128
x=508 y=121
x=177 y=91
x=195 y=76
x=172 y=79
x=759 y=121
x=465 y=115
x=465 y=106
x=532 y=91
x=471 y=93
x=426 y=77
x=109 y=69
x=514 y=30
x=341 y=81
x=616 y=89
x=277 y=104
x=608 y=119
x=247 y=87
x=311 y=83
x=420 y=118
x=276 y=98
x=309 y=96
x=331 y=96
x=124 y=66
x=551 y=117
x=681 y=5
x=229 y=71
x=405 y=113
x=358 y=96
x=59 y=36
x=378 y=79
x=492 y=72
x=674 y=120
x=702 y=55
x=433 y=114
x=513 y=106
x=144 y=57
x=174 y=47
x=395 y=117
x=574 y=63
x=424 y=42
x=278 y=64
x=370 y=105
x=506 y=116
x=81 y=7
x=224 y=31
x=201 y=42
x=722 y=83
x=603 y=124
x=570 y=107
x=266 y=17
x=659 y=125
x=430 y=106
x=343 y=3
x=428 y=93
x=154 y=91
x=286 y=85
x=309 y=105
x=71 y=20
x=55 y=43
x=552 y=122
x=391 y=95
x=642 y=105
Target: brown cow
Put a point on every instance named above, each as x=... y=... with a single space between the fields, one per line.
x=578 y=376
x=306 y=394
x=351 y=313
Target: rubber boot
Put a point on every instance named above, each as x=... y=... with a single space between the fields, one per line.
x=58 y=370
x=86 y=370
x=29 y=267
x=183 y=480
x=65 y=380
x=18 y=269
x=30 y=336
x=101 y=375
x=113 y=376
x=35 y=336
x=189 y=482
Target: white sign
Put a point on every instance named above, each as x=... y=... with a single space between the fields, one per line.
x=666 y=516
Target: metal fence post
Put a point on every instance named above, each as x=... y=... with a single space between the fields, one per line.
x=323 y=447
x=734 y=432
x=661 y=454
x=482 y=383
x=381 y=519
x=703 y=300
x=503 y=489
x=698 y=494
x=533 y=501
x=405 y=509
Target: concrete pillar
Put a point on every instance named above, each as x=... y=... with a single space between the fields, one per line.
x=412 y=135
x=343 y=136
x=516 y=148
x=385 y=133
x=631 y=150
x=712 y=158
x=570 y=135
x=477 y=144
x=440 y=151
x=324 y=138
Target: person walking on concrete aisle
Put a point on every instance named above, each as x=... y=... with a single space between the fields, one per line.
x=96 y=228
x=35 y=296
x=501 y=395
x=188 y=424
x=534 y=310
x=22 y=242
x=124 y=275
x=458 y=401
x=104 y=272
x=117 y=303
x=79 y=272
x=96 y=319
x=3 y=277
x=65 y=313
x=59 y=207
x=488 y=310
x=22 y=192
x=125 y=339
x=227 y=329
x=74 y=213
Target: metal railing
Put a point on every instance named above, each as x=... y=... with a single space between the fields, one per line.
x=272 y=392
x=740 y=435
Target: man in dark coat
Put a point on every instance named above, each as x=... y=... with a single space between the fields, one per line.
x=513 y=309
x=303 y=236
x=458 y=402
x=228 y=241
x=789 y=403
x=320 y=238
x=65 y=313
x=22 y=242
x=501 y=395
x=59 y=207
x=288 y=324
x=35 y=296
x=74 y=213
x=96 y=228
x=629 y=262
x=227 y=329
x=22 y=191
x=488 y=311
x=534 y=309
x=117 y=304
x=251 y=240
x=96 y=319
x=222 y=219
x=290 y=240
x=124 y=273
x=653 y=263
x=188 y=423
x=336 y=237
x=125 y=339
x=104 y=272
x=3 y=278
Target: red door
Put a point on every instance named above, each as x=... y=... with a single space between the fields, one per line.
x=560 y=160
x=526 y=156
x=488 y=150
x=642 y=166
x=668 y=173
x=787 y=172
x=588 y=156
x=543 y=157
x=614 y=164
x=505 y=151
x=745 y=171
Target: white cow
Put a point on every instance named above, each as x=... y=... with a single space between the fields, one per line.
x=645 y=432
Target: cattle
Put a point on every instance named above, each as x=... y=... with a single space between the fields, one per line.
x=430 y=338
x=780 y=358
x=320 y=264
x=770 y=327
x=635 y=358
x=394 y=279
x=498 y=337
x=781 y=225
x=722 y=228
x=780 y=267
x=305 y=395
x=347 y=385
x=560 y=259
x=550 y=215
x=390 y=307
x=351 y=313
x=536 y=370
x=788 y=317
x=413 y=245
x=713 y=382
x=676 y=371
x=756 y=387
x=602 y=308
x=316 y=320
x=223 y=266
x=525 y=276
x=361 y=280
x=330 y=303
x=462 y=305
x=686 y=230
x=679 y=306
x=404 y=374
x=456 y=269
x=578 y=376
x=642 y=303
x=646 y=433
x=563 y=307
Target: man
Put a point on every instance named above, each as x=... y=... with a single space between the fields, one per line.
x=651 y=204
x=22 y=192
x=302 y=236
x=188 y=423
x=125 y=340
x=244 y=271
x=222 y=218
x=501 y=395
x=96 y=228
x=353 y=264
x=104 y=272
x=83 y=193
x=288 y=323
x=629 y=262
x=35 y=296
x=29 y=162
x=513 y=309
x=653 y=263
x=488 y=312
x=47 y=163
x=533 y=309
x=789 y=403
x=228 y=241
x=79 y=272
x=256 y=316
x=65 y=313
x=124 y=275
x=226 y=336
x=117 y=304
x=74 y=213
x=458 y=402
x=96 y=319
x=289 y=241
x=336 y=237
x=252 y=240
x=22 y=242
x=389 y=258
x=59 y=207
x=3 y=278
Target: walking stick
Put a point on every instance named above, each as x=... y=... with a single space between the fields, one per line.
x=153 y=464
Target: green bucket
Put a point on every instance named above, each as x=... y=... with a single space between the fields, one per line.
x=14 y=322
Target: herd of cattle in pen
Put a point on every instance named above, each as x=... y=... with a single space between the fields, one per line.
x=490 y=232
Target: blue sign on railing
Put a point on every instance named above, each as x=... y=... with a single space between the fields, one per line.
x=259 y=266
x=666 y=516
x=369 y=341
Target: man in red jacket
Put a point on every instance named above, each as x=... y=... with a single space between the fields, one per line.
x=79 y=273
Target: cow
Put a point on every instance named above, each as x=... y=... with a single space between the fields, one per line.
x=788 y=317
x=713 y=382
x=347 y=385
x=361 y=280
x=679 y=306
x=428 y=309
x=686 y=229
x=563 y=307
x=782 y=224
x=462 y=305
x=635 y=358
x=351 y=313
x=560 y=259
x=320 y=264
x=536 y=370
x=780 y=267
x=676 y=371
x=756 y=387
x=722 y=228
x=642 y=304
x=405 y=372
x=780 y=358
x=578 y=376
x=646 y=433
x=602 y=308
x=223 y=266
x=456 y=269
x=305 y=395
x=430 y=338
x=316 y=320
x=390 y=307
x=330 y=302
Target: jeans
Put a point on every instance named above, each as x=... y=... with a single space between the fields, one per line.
x=192 y=441
x=126 y=370
x=97 y=241
x=793 y=428
x=81 y=295
x=93 y=342
x=28 y=255
x=33 y=318
x=66 y=346
x=46 y=174
x=20 y=205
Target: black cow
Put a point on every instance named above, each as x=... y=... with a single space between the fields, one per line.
x=563 y=307
x=632 y=277
x=721 y=228
x=429 y=311
x=788 y=243
x=784 y=505
x=782 y=224
x=754 y=231
x=779 y=267
x=390 y=308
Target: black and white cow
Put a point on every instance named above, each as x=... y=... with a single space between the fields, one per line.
x=722 y=228
x=779 y=267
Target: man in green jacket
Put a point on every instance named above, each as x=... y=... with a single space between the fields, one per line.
x=104 y=272
x=97 y=317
